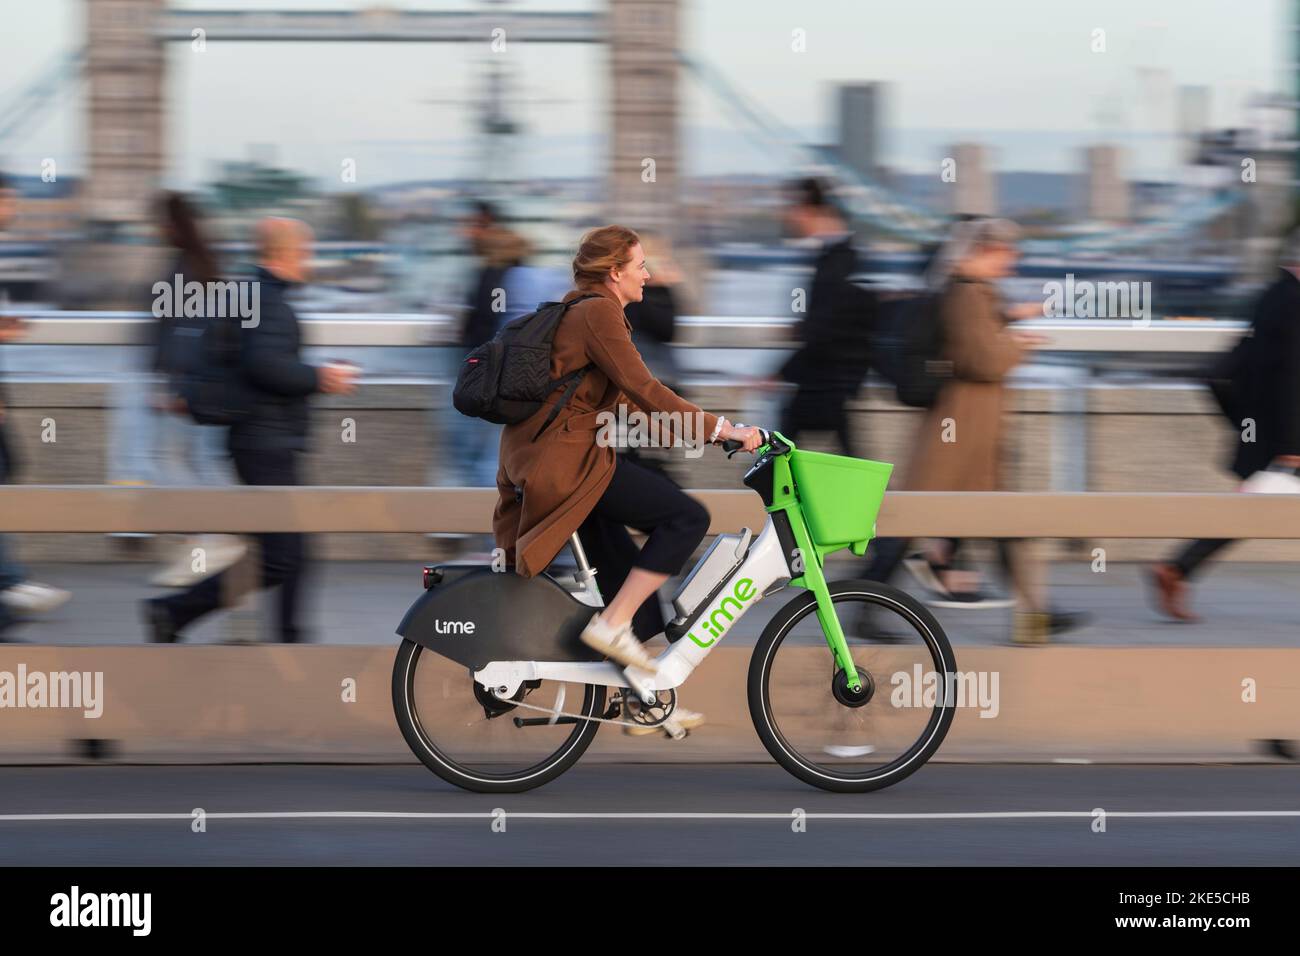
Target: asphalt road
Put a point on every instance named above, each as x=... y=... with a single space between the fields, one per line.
x=461 y=830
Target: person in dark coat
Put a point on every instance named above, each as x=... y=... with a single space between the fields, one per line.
x=481 y=317
x=1257 y=385
x=829 y=367
x=496 y=251
x=267 y=445
x=654 y=326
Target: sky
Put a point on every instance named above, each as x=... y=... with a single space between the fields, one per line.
x=1020 y=75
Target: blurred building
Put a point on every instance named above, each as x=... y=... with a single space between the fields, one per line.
x=1193 y=119
x=974 y=192
x=1106 y=194
x=861 y=121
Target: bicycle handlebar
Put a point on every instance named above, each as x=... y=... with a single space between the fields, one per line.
x=731 y=446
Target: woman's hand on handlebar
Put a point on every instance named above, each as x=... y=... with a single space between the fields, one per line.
x=748 y=436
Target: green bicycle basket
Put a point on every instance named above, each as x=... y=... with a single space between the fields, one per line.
x=840 y=497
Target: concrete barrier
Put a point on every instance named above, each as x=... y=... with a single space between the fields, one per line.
x=296 y=704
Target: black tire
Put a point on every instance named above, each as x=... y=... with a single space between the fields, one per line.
x=477 y=780
x=884 y=599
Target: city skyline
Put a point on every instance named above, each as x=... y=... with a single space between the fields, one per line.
x=1125 y=95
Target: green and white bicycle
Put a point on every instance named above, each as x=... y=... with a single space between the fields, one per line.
x=495 y=693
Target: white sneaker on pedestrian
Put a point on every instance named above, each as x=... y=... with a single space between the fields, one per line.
x=686 y=720
x=919 y=567
x=32 y=597
x=616 y=643
x=220 y=551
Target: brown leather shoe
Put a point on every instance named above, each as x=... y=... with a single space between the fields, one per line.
x=1171 y=592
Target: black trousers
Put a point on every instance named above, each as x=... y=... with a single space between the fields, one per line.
x=820 y=408
x=283 y=555
x=1197 y=553
x=649 y=502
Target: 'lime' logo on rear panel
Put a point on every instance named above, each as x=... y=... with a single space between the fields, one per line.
x=714 y=629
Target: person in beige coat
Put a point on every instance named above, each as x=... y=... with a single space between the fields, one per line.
x=570 y=479
x=961 y=445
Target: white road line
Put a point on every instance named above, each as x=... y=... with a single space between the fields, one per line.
x=615 y=815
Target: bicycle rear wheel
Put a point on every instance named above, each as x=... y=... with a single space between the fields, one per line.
x=815 y=727
x=477 y=742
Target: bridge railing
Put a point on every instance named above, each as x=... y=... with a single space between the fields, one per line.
x=111 y=509
x=1167 y=337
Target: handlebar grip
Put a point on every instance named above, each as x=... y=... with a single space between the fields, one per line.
x=731 y=446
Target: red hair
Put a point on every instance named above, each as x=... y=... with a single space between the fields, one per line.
x=600 y=251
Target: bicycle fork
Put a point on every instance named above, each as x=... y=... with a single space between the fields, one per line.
x=814 y=580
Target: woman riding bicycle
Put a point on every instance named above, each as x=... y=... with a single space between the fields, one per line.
x=571 y=478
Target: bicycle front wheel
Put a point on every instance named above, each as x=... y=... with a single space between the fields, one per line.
x=815 y=727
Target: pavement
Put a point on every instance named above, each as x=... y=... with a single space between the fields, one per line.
x=1243 y=605
x=945 y=814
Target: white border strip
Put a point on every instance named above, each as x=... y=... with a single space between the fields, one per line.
x=580 y=815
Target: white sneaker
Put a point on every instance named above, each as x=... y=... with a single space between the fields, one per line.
x=32 y=597
x=220 y=552
x=685 y=719
x=223 y=550
x=616 y=643
x=919 y=567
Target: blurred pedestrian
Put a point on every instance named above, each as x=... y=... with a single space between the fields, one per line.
x=960 y=446
x=483 y=311
x=832 y=361
x=496 y=250
x=187 y=453
x=654 y=326
x=526 y=284
x=267 y=445
x=18 y=595
x=654 y=318
x=1256 y=383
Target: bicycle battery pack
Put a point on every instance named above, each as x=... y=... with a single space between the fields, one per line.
x=723 y=557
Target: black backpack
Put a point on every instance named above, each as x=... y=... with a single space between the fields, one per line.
x=209 y=377
x=909 y=348
x=508 y=378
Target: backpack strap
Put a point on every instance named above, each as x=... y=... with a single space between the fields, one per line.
x=573 y=379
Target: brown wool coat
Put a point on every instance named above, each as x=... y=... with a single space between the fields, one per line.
x=982 y=351
x=564 y=473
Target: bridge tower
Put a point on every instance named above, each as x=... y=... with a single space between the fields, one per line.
x=124 y=74
x=124 y=144
x=644 y=143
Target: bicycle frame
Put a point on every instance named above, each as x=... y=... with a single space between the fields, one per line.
x=766 y=567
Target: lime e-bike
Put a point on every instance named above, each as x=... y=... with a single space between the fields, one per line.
x=495 y=693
